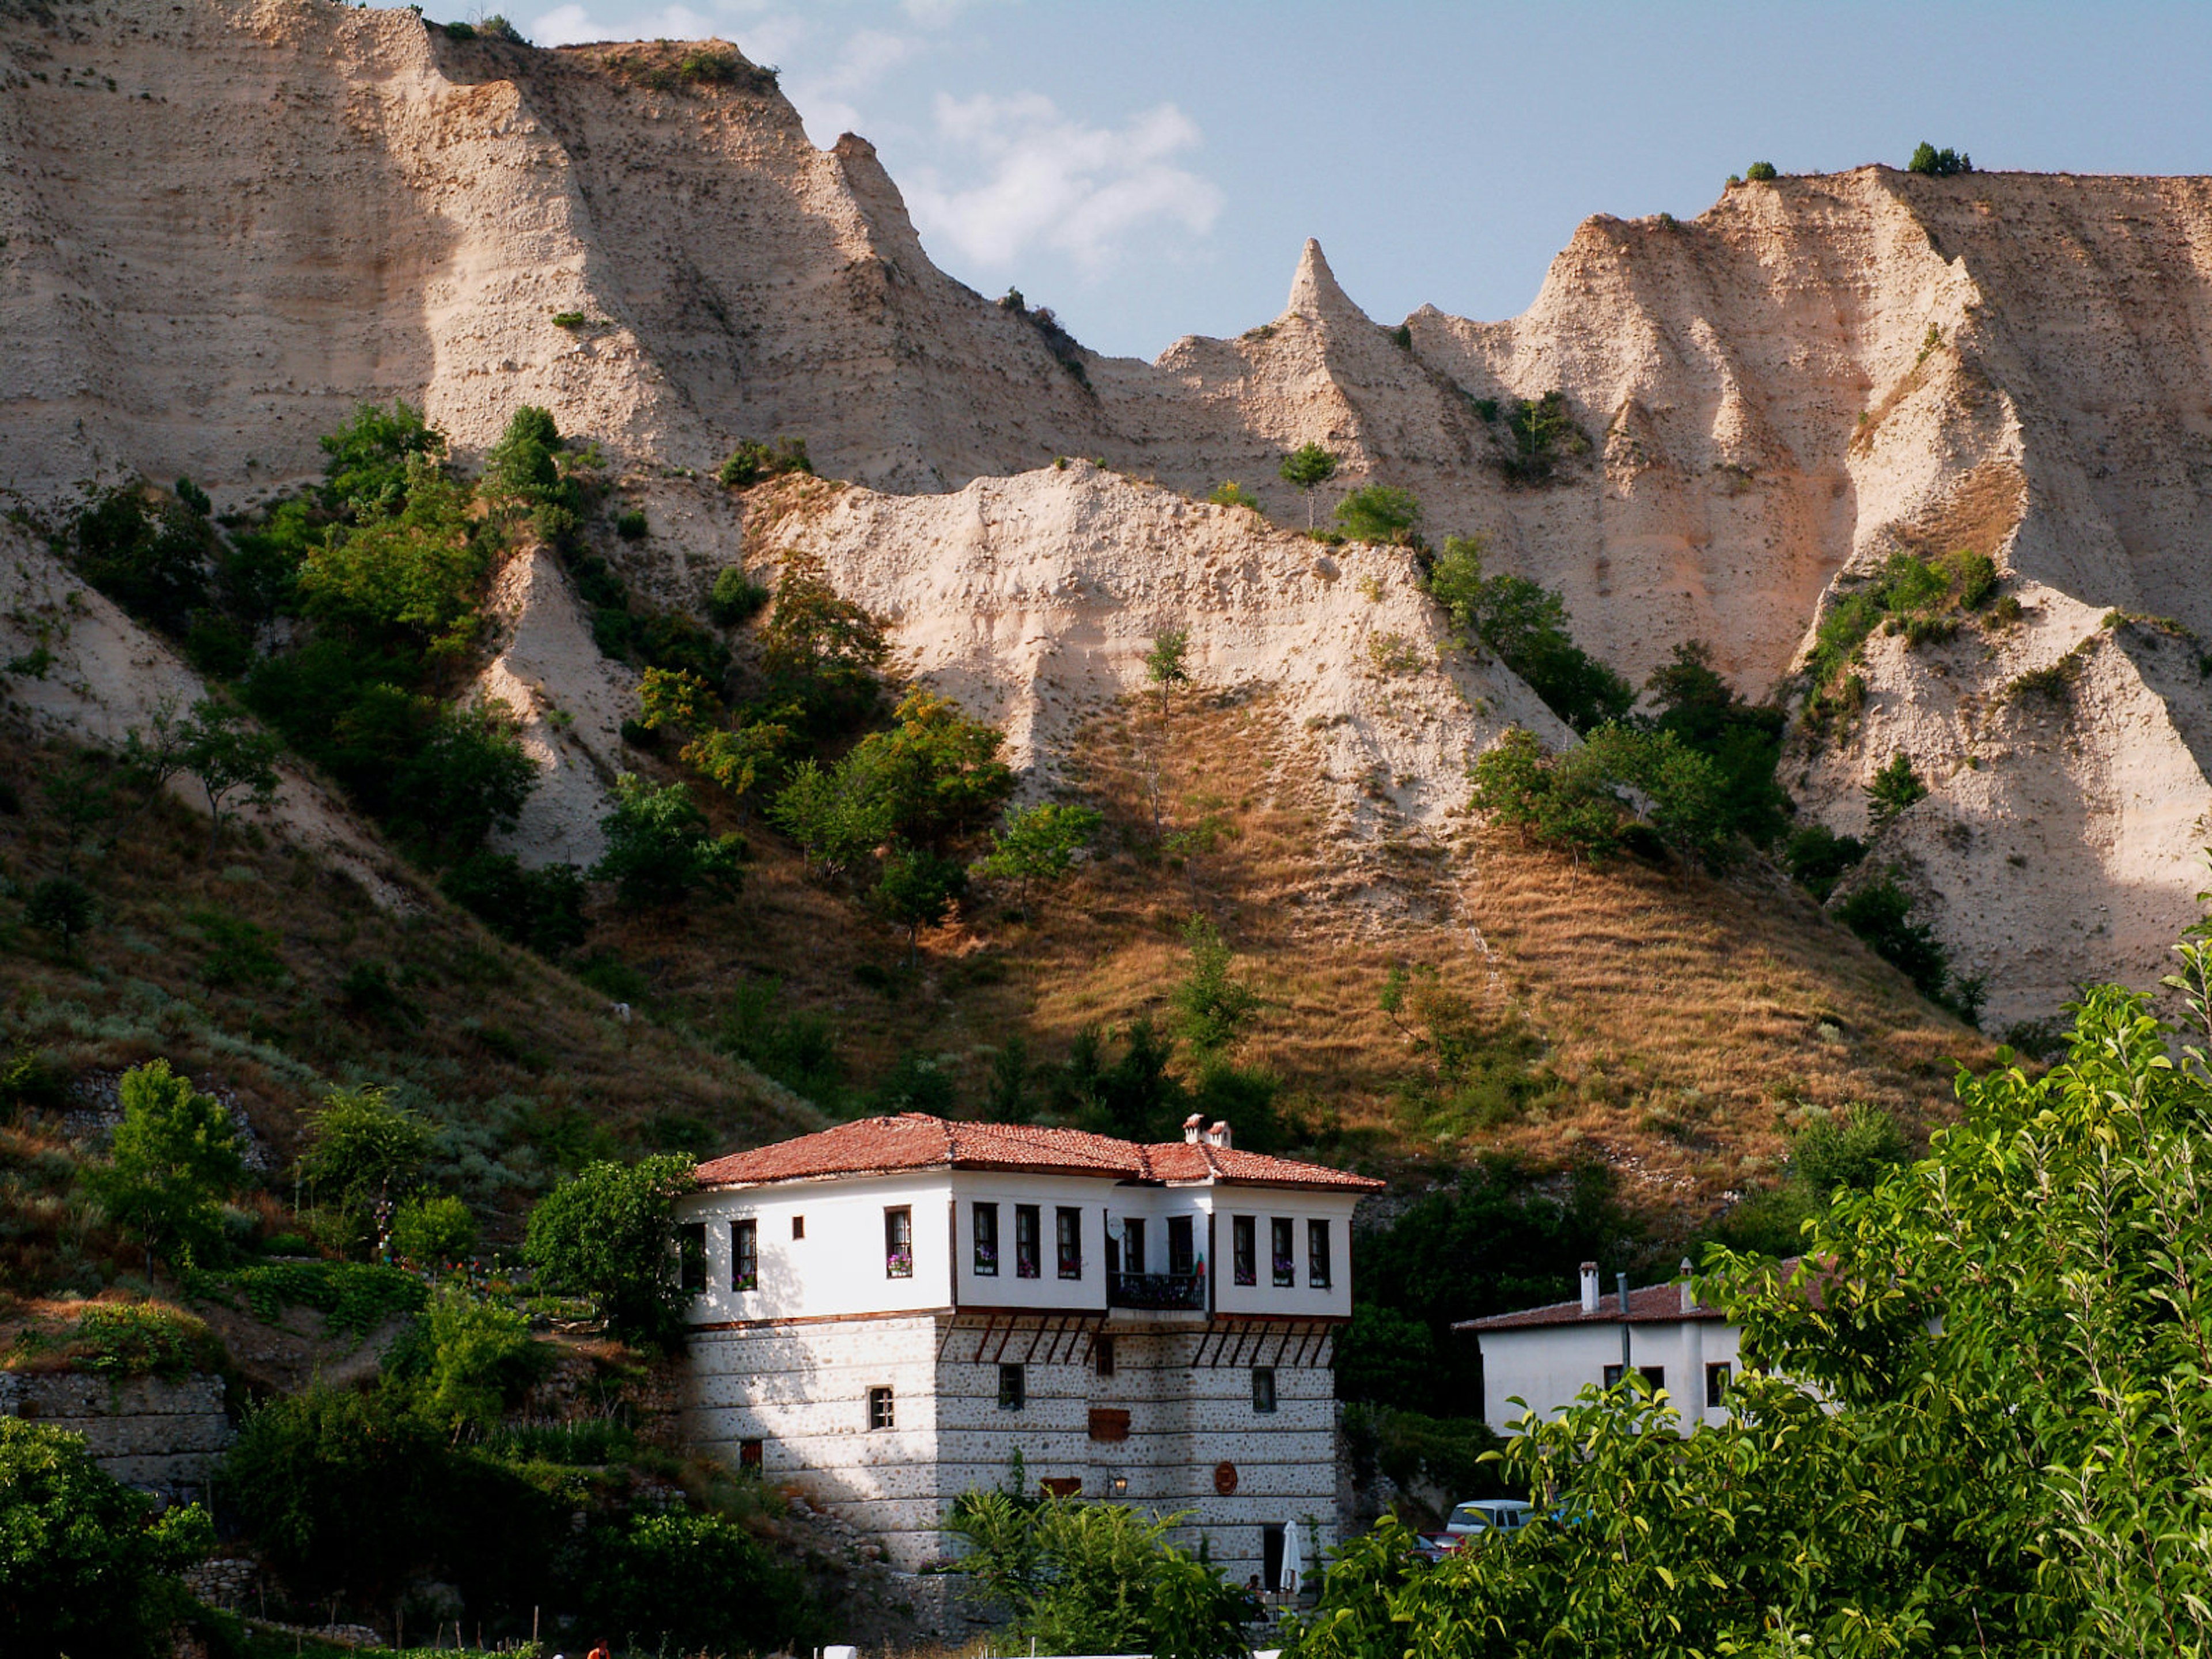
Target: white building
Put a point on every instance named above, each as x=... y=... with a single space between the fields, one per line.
x=1545 y=1356
x=885 y=1312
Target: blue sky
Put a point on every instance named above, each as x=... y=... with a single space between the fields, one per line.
x=1150 y=169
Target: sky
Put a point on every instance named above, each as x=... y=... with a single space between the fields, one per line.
x=1151 y=168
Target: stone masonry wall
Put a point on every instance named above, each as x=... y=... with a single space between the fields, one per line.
x=164 y=1436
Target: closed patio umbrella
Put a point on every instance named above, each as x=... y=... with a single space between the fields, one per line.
x=1294 y=1561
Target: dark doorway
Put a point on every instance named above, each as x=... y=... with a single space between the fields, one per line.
x=1271 y=1558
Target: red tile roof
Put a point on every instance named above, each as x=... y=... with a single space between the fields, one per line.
x=913 y=1140
x=1654 y=1304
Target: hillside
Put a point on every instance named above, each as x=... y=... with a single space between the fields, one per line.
x=230 y=224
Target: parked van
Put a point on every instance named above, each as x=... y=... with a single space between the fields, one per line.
x=1478 y=1518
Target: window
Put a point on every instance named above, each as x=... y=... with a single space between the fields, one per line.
x=898 y=1243
x=1102 y=1356
x=986 y=1228
x=1279 y=1241
x=1013 y=1387
x=1717 y=1378
x=691 y=1256
x=1244 y=1250
x=1263 y=1387
x=880 y=1415
x=1181 y=1259
x=799 y=1226
x=1025 y=1240
x=1318 y=1254
x=1613 y=1375
x=1655 y=1374
x=750 y=1454
x=1133 y=1246
x=744 y=1255
x=1067 y=1234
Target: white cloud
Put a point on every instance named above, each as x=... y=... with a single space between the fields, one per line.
x=571 y=24
x=1052 y=181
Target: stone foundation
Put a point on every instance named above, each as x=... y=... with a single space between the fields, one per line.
x=163 y=1437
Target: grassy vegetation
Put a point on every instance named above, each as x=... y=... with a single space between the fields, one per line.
x=1924 y=599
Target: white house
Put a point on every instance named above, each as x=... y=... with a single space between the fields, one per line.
x=1545 y=1356
x=884 y=1312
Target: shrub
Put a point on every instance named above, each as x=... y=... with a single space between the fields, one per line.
x=605 y=1234
x=541 y=909
x=820 y=650
x=917 y=888
x=570 y=319
x=86 y=1565
x=1817 y=857
x=735 y=597
x=407 y=575
x=1895 y=788
x=1524 y=625
x=63 y=906
x=631 y=527
x=644 y=1579
x=1379 y=513
x=431 y=1231
x=150 y=557
x=473 y=1357
x=750 y=462
x=1231 y=494
x=175 y=1155
x=362 y=1144
x=370 y=456
x=1541 y=429
x=1880 y=913
x=658 y=847
x=1759 y=173
x=30 y=1079
x=1853 y=1148
x=1938 y=163
x=1038 y=844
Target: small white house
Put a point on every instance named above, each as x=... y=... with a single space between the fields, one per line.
x=1545 y=1356
x=882 y=1313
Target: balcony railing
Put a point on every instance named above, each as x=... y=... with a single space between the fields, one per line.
x=1156 y=1290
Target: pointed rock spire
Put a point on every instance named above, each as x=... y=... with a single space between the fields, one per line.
x=1314 y=291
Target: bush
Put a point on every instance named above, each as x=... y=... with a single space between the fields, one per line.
x=646 y=1579
x=541 y=909
x=63 y=906
x=361 y=1144
x=1524 y=625
x=1038 y=845
x=605 y=1234
x=1817 y=857
x=1541 y=430
x=659 y=851
x=430 y=1231
x=820 y=651
x=1880 y=913
x=631 y=527
x=174 y=1157
x=1938 y=163
x=1853 y=1148
x=736 y=597
x=750 y=462
x=1231 y=494
x=1895 y=788
x=1379 y=513
x=472 y=1359
x=86 y=1565
x=150 y=557
x=1759 y=173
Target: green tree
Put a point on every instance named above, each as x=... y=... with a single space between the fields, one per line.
x=645 y=1574
x=150 y=557
x=222 y=750
x=819 y=649
x=1564 y=800
x=1167 y=663
x=1938 y=163
x=409 y=575
x=735 y=597
x=658 y=850
x=1037 y=845
x=477 y=1355
x=63 y=906
x=1759 y=173
x=1895 y=788
x=174 y=1157
x=363 y=1145
x=605 y=1233
x=367 y=471
x=1880 y=913
x=86 y=1565
x=1306 y=468
x=917 y=888
x=1211 y=1005
x=1379 y=513
x=1525 y=626
x=838 y=816
x=1818 y=858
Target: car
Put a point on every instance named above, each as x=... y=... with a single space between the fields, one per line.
x=1478 y=1518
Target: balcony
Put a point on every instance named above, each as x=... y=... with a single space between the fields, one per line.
x=1158 y=1291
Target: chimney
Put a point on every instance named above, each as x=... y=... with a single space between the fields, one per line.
x=1218 y=1134
x=1589 y=1287
x=1621 y=1283
x=1192 y=1127
x=1689 y=1288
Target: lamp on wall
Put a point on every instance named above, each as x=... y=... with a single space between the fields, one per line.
x=1120 y=1485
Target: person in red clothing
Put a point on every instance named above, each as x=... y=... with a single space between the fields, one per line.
x=600 y=1650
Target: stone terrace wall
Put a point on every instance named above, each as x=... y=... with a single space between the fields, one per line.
x=164 y=1436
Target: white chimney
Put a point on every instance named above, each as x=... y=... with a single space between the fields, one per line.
x=1689 y=1288
x=1218 y=1134
x=1589 y=1287
x=1193 y=1126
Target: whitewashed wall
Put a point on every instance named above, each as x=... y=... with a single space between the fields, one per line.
x=1300 y=1299
x=837 y=1268
x=1547 y=1365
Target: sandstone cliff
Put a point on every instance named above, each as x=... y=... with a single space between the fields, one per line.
x=227 y=221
